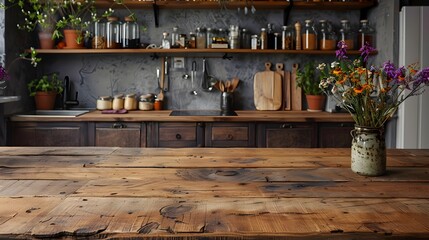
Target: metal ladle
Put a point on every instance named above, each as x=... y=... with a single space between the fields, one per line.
x=193 y=75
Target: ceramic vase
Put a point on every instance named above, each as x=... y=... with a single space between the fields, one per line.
x=46 y=41
x=315 y=103
x=71 y=36
x=45 y=100
x=368 y=154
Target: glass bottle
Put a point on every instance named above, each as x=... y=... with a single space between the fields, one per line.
x=254 y=42
x=113 y=32
x=366 y=34
x=201 y=38
x=234 y=37
x=263 y=39
x=99 y=39
x=309 y=36
x=270 y=36
x=327 y=38
x=287 y=38
x=131 y=33
x=192 y=43
x=346 y=34
x=175 y=38
x=165 y=42
x=209 y=37
x=245 y=39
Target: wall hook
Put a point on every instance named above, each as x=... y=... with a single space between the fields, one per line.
x=225 y=56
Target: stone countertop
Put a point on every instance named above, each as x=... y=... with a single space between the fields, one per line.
x=164 y=116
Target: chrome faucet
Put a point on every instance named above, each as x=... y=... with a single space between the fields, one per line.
x=67 y=101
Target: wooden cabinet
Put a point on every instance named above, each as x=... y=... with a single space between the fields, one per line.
x=163 y=134
x=335 y=135
x=48 y=134
x=230 y=135
x=276 y=135
x=118 y=134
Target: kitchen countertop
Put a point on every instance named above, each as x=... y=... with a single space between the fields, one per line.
x=194 y=193
x=164 y=116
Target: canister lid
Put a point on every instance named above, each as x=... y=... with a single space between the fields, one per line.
x=105 y=98
x=118 y=96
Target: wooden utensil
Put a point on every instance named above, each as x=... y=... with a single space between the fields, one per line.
x=161 y=80
x=296 y=92
x=221 y=86
x=234 y=84
x=228 y=86
x=267 y=86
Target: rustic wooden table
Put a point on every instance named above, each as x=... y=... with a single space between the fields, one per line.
x=210 y=194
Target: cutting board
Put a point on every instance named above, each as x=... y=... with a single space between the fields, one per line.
x=296 y=92
x=267 y=89
x=286 y=101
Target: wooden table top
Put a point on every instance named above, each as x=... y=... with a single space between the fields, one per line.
x=207 y=193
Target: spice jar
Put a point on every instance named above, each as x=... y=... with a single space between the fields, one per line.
x=118 y=102
x=158 y=104
x=104 y=103
x=130 y=102
x=366 y=34
x=201 y=38
x=209 y=38
x=254 y=42
x=113 y=33
x=146 y=102
x=131 y=34
x=264 y=39
x=99 y=38
x=175 y=38
x=327 y=38
x=309 y=36
x=287 y=38
x=346 y=34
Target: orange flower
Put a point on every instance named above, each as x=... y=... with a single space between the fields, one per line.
x=359 y=89
x=337 y=72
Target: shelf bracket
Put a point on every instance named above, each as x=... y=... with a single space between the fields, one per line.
x=156 y=13
x=226 y=57
x=286 y=13
x=154 y=56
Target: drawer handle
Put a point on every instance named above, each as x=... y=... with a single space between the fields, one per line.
x=178 y=136
x=285 y=125
x=119 y=125
x=230 y=137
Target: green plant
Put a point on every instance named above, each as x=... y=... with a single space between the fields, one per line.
x=306 y=79
x=46 y=83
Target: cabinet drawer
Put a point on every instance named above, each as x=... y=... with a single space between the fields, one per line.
x=176 y=135
x=279 y=135
x=335 y=135
x=119 y=134
x=230 y=135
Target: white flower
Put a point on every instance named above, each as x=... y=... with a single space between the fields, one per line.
x=335 y=64
x=321 y=66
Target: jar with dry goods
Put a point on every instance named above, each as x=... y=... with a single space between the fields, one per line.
x=263 y=39
x=201 y=38
x=158 y=104
x=131 y=33
x=175 y=38
x=254 y=42
x=99 y=36
x=118 y=102
x=245 y=39
x=366 y=34
x=104 y=103
x=146 y=102
x=346 y=34
x=192 y=43
x=327 y=38
x=130 y=102
x=309 y=36
x=234 y=37
x=287 y=38
x=113 y=33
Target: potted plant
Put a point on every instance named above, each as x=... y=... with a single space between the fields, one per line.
x=45 y=90
x=306 y=79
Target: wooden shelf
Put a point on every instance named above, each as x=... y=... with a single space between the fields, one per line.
x=187 y=51
x=173 y=4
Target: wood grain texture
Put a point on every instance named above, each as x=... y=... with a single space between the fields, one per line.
x=296 y=91
x=267 y=89
x=211 y=193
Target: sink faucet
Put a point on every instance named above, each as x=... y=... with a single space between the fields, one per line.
x=67 y=101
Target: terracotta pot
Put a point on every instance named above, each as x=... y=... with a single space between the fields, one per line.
x=45 y=40
x=315 y=103
x=45 y=100
x=71 y=36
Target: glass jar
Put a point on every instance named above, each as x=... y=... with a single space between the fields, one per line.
x=327 y=38
x=175 y=38
x=209 y=37
x=118 y=102
x=182 y=40
x=309 y=36
x=263 y=39
x=254 y=42
x=192 y=43
x=104 y=103
x=287 y=38
x=146 y=102
x=113 y=33
x=234 y=37
x=165 y=42
x=99 y=38
x=346 y=34
x=130 y=102
x=131 y=33
x=270 y=36
x=245 y=39
x=201 y=38
x=366 y=34
x=158 y=104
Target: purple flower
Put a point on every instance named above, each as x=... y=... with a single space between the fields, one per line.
x=389 y=69
x=341 y=53
x=3 y=74
x=422 y=77
x=365 y=50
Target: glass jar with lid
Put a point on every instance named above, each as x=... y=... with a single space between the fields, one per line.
x=234 y=37
x=327 y=38
x=209 y=37
x=346 y=34
x=366 y=34
x=131 y=33
x=287 y=38
x=263 y=39
x=99 y=35
x=113 y=33
x=104 y=103
x=146 y=102
x=118 y=102
x=130 y=102
x=245 y=39
x=201 y=38
x=175 y=38
x=309 y=36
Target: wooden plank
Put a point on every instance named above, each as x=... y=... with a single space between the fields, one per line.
x=48 y=161
x=40 y=188
x=296 y=91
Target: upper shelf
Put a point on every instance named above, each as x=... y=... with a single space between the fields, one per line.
x=232 y=4
x=187 y=50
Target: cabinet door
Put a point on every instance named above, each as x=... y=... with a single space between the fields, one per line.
x=48 y=134
x=120 y=134
x=230 y=135
x=288 y=135
x=335 y=135
x=173 y=134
